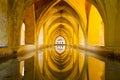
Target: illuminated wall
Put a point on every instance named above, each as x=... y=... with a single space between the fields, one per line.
x=95 y=28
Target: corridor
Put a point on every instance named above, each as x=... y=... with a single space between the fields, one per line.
x=59 y=40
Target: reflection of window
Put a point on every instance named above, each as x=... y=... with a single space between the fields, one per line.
x=60 y=44
x=22 y=68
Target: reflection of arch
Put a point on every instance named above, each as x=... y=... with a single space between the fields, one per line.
x=95 y=28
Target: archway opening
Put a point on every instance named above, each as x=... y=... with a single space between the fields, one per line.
x=60 y=44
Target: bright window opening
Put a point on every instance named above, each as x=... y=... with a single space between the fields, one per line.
x=60 y=44
x=23 y=34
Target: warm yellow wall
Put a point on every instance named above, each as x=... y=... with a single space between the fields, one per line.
x=30 y=25
x=79 y=6
x=95 y=28
x=96 y=69
x=3 y=23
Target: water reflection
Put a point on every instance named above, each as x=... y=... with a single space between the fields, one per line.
x=70 y=65
x=50 y=65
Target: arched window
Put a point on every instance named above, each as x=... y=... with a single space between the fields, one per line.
x=22 y=41
x=41 y=37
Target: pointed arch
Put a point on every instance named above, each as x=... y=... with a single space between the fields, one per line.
x=95 y=28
